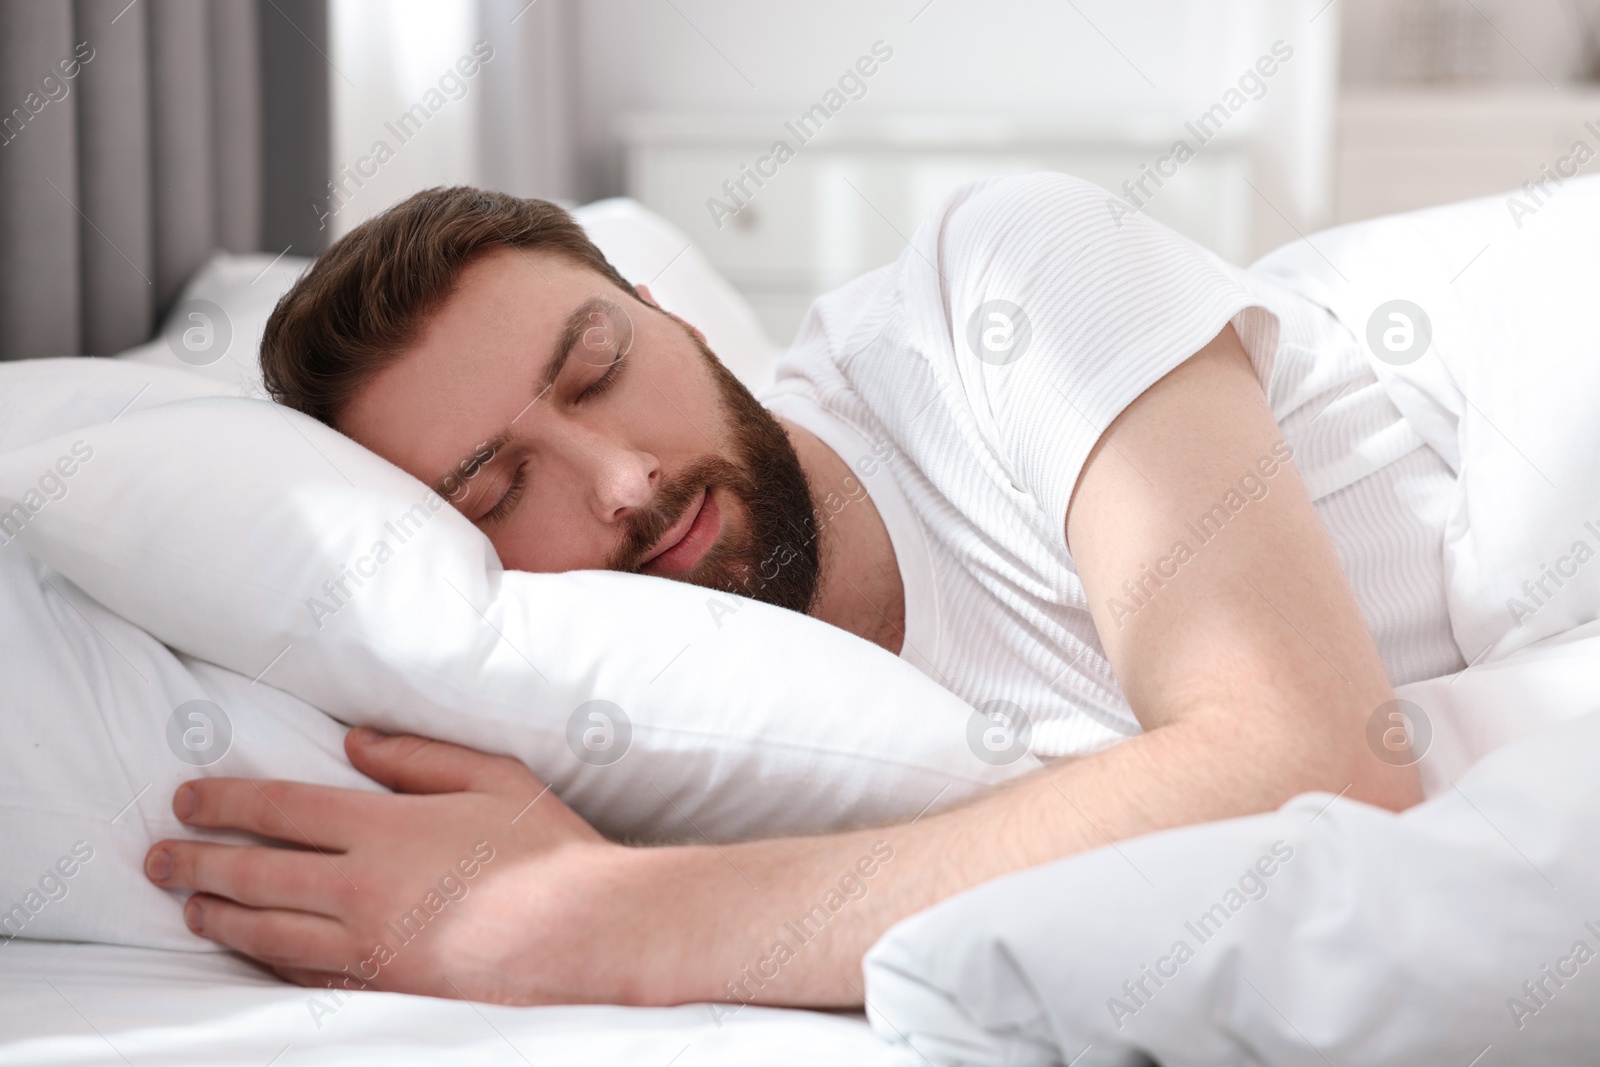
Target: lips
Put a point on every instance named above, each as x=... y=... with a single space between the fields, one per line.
x=686 y=543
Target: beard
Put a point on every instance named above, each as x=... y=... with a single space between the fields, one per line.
x=775 y=557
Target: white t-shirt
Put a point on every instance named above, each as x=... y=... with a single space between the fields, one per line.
x=967 y=382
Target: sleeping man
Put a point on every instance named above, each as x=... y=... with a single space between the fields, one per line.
x=1062 y=462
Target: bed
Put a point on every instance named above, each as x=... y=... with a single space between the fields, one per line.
x=1415 y=939
x=84 y=1005
x=1410 y=937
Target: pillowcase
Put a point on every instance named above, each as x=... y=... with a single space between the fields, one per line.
x=245 y=534
x=1476 y=320
x=214 y=329
x=101 y=725
x=40 y=398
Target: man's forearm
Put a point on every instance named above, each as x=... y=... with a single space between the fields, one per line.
x=787 y=921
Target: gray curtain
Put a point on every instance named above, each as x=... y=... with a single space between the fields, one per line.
x=132 y=147
x=527 y=117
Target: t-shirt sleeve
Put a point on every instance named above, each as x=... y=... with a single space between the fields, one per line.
x=1061 y=309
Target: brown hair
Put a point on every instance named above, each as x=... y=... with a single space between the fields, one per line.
x=364 y=300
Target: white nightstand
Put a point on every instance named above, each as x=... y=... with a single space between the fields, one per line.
x=1404 y=148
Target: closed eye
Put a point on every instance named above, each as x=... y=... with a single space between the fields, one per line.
x=605 y=381
x=509 y=499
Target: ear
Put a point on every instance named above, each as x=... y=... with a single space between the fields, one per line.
x=649 y=298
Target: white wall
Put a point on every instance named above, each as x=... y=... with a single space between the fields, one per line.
x=388 y=55
x=509 y=128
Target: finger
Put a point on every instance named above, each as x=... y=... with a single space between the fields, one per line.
x=254 y=875
x=409 y=764
x=314 y=816
x=276 y=937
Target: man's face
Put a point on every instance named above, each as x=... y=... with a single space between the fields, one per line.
x=580 y=429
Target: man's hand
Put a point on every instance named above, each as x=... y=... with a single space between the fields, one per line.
x=431 y=893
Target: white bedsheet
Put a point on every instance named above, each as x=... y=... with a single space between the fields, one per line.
x=65 y=1005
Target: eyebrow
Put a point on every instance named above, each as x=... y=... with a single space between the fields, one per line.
x=571 y=332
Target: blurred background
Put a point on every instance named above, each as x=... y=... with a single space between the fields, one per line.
x=1293 y=115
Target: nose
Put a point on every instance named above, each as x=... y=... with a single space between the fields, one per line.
x=620 y=476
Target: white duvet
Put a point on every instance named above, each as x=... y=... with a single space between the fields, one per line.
x=1328 y=932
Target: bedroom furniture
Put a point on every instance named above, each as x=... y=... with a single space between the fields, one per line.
x=1399 y=149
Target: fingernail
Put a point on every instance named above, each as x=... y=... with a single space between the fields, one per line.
x=363 y=736
x=159 y=865
x=191 y=915
x=183 y=802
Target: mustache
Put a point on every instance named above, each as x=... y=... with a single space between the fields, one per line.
x=645 y=528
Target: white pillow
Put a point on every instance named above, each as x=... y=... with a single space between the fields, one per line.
x=1495 y=362
x=41 y=398
x=101 y=725
x=224 y=526
x=214 y=329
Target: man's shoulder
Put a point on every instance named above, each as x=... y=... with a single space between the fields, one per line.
x=1012 y=205
x=892 y=331
x=847 y=322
